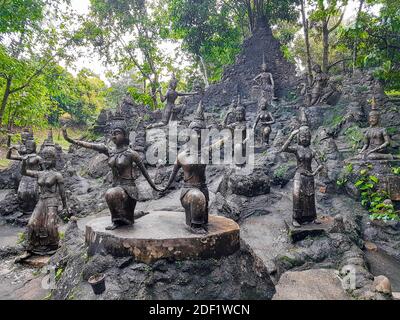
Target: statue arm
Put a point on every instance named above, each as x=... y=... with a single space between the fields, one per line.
x=99 y=147
x=272 y=121
x=61 y=190
x=29 y=173
x=172 y=177
x=366 y=144
x=286 y=146
x=320 y=165
x=185 y=94
x=272 y=80
x=142 y=168
x=10 y=156
x=255 y=123
x=162 y=98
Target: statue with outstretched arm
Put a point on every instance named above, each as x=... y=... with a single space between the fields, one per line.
x=123 y=196
x=42 y=229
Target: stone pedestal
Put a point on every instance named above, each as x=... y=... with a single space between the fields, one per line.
x=308 y=230
x=163 y=235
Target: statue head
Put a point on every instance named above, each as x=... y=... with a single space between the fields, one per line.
x=304 y=137
x=197 y=125
x=49 y=157
x=264 y=65
x=317 y=68
x=240 y=113
x=264 y=104
x=374 y=115
x=30 y=146
x=173 y=83
x=119 y=131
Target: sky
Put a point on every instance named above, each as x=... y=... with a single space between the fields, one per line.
x=93 y=62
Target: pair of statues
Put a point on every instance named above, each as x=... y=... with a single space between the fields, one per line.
x=171 y=111
x=122 y=197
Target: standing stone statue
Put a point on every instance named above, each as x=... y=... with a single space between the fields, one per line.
x=265 y=118
x=28 y=191
x=320 y=82
x=304 y=210
x=170 y=111
x=376 y=139
x=123 y=196
x=194 y=196
x=42 y=233
x=265 y=82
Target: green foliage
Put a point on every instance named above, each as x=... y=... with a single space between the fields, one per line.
x=374 y=199
x=396 y=170
x=354 y=136
x=59 y=273
x=281 y=171
x=21 y=237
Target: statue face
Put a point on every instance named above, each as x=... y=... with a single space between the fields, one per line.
x=173 y=84
x=304 y=137
x=49 y=158
x=317 y=68
x=118 y=137
x=264 y=68
x=30 y=146
x=373 y=120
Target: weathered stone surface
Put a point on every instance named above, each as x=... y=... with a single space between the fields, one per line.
x=37 y=261
x=163 y=235
x=370 y=246
x=308 y=230
x=382 y=284
x=314 y=284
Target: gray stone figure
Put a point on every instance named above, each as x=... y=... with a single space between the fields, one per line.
x=265 y=83
x=171 y=110
x=265 y=119
x=320 y=82
x=42 y=230
x=28 y=190
x=123 y=196
x=304 y=210
x=194 y=196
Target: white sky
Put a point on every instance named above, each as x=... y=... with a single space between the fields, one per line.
x=93 y=62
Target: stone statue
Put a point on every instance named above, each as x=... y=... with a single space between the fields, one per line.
x=265 y=118
x=170 y=111
x=42 y=230
x=376 y=139
x=320 y=82
x=194 y=196
x=304 y=210
x=122 y=197
x=265 y=82
x=28 y=191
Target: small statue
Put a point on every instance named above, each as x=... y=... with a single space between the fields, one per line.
x=170 y=111
x=376 y=139
x=304 y=210
x=42 y=233
x=318 y=85
x=123 y=196
x=194 y=196
x=28 y=190
x=265 y=118
x=265 y=81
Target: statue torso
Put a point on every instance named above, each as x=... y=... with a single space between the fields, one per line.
x=171 y=95
x=121 y=163
x=47 y=182
x=193 y=170
x=375 y=136
x=304 y=158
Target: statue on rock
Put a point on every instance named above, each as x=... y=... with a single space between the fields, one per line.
x=123 y=196
x=42 y=230
x=304 y=210
x=265 y=83
x=265 y=118
x=194 y=196
x=376 y=139
x=319 y=84
x=28 y=190
x=170 y=111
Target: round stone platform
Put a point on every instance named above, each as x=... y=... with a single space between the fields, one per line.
x=163 y=235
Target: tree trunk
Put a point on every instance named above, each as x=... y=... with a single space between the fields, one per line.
x=325 y=40
x=307 y=41
x=356 y=40
x=4 y=101
x=205 y=74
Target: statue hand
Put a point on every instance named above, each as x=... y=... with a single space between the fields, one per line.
x=295 y=132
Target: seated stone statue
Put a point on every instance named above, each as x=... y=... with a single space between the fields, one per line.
x=265 y=118
x=122 y=197
x=194 y=196
x=376 y=139
x=42 y=235
x=28 y=191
